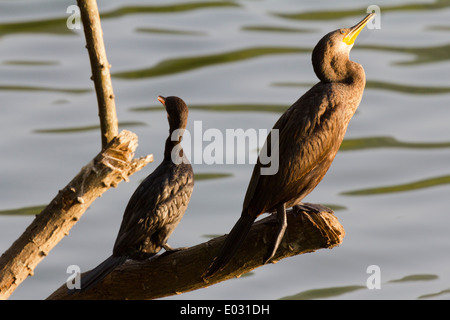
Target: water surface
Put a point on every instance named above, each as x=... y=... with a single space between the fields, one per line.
x=238 y=64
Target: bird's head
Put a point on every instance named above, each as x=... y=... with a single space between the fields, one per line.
x=177 y=112
x=331 y=54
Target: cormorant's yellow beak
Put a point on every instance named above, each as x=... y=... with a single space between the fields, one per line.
x=351 y=36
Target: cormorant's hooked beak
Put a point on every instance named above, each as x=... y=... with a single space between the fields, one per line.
x=162 y=100
x=351 y=36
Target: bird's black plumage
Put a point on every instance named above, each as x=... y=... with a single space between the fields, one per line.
x=157 y=205
x=310 y=134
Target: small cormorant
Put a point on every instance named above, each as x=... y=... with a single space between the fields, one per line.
x=157 y=205
x=310 y=134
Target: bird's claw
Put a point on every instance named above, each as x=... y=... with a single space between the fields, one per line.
x=310 y=208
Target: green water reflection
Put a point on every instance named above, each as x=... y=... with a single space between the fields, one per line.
x=388 y=142
x=50 y=26
x=171 y=8
x=276 y=29
x=340 y=14
x=58 y=25
x=223 y=108
x=179 y=65
x=323 y=293
x=169 y=31
x=211 y=176
x=415 y=277
x=421 y=55
x=381 y=85
x=32 y=210
x=123 y=124
x=415 y=185
x=333 y=292
x=43 y=89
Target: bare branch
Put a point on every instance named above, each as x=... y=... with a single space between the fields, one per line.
x=100 y=69
x=106 y=170
x=178 y=272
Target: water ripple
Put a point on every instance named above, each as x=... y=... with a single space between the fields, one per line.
x=174 y=8
x=33 y=210
x=51 y=26
x=323 y=293
x=388 y=142
x=183 y=64
x=170 y=31
x=415 y=185
x=340 y=14
x=58 y=25
x=383 y=85
x=43 y=89
x=222 y=108
x=422 y=55
x=87 y=128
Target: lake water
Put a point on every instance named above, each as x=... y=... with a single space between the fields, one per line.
x=238 y=64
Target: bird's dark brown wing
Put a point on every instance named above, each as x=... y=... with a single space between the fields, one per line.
x=309 y=121
x=155 y=203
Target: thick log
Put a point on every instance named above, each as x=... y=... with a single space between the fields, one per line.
x=181 y=271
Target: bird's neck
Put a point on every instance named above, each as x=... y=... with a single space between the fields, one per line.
x=173 y=150
x=331 y=63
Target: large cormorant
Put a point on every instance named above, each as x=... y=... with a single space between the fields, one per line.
x=157 y=205
x=310 y=134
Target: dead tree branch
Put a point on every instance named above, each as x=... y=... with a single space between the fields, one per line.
x=175 y=273
x=100 y=69
x=114 y=164
x=106 y=170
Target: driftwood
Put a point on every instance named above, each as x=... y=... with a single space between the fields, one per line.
x=178 y=272
x=106 y=170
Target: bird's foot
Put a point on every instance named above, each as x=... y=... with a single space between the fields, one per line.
x=310 y=208
x=170 y=250
x=278 y=236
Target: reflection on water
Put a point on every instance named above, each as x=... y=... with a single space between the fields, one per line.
x=169 y=31
x=30 y=63
x=323 y=293
x=96 y=127
x=435 y=295
x=43 y=89
x=388 y=142
x=224 y=108
x=172 y=66
x=52 y=26
x=411 y=186
x=252 y=61
x=211 y=175
x=34 y=210
x=382 y=85
x=166 y=9
x=337 y=14
x=275 y=29
x=415 y=277
x=431 y=54
x=337 y=291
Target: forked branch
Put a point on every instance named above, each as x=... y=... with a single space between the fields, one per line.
x=106 y=170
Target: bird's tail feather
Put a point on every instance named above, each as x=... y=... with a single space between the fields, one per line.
x=99 y=273
x=232 y=243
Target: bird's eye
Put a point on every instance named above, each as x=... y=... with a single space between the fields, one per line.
x=342 y=31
